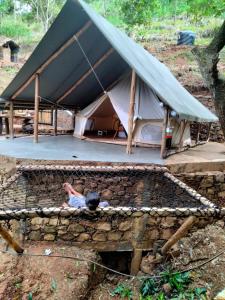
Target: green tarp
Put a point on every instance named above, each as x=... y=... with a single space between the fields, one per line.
x=71 y=65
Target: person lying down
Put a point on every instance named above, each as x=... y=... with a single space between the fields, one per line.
x=77 y=200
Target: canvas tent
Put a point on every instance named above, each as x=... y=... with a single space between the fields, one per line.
x=81 y=57
x=148 y=114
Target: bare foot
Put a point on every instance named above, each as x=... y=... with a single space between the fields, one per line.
x=67 y=187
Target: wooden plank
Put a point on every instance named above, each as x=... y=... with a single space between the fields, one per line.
x=11 y=242
x=11 y=115
x=36 y=108
x=53 y=57
x=131 y=113
x=181 y=232
x=163 y=142
x=73 y=87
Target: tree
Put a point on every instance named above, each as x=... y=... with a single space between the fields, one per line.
x=138 y=11
x=208 y=58
x=45 y=10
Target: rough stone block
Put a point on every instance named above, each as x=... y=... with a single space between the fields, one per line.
x=50 y=229
x=54 y=221
x=37 y=221
x=166 y=234
x=64 y=221
x=168 y=222
x=66 y=236
x=83 y=237
x=101 y=237
x=124 y=226
x=107 y=195
x=49 y=237
x=104 y=226
x=35 y=236
x=127 y=236
x=76 y=228
x=114 y=236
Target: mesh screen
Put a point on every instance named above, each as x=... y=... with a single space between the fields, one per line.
x=129 y=188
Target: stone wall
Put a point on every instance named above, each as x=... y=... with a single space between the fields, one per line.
x=209 y=184
x=102 y=233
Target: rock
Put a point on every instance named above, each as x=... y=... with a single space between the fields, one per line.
x=79 y=188
x=54 y=222
x=121 y=193
x=64 y=221
x=166 y=234
x=220 y=223
x=66 y=236
x=104 y=226
x=221 y=194
x=107 y=195
x=114 y=236
x=153 y=234
x=220 y=177
x=35 y=227
x=127 y=236
x=76 y=228
x=167 y=288
x=37 y=221
x=147 y=264
x=35 y=236
x=168 y=222
x=100 y=237
x=93 y=185
x=140 y=186
x=83 y=237
x=49 y=237
x=50 y=229
x=124 y=226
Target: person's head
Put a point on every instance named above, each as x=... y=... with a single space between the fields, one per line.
x=92 y=200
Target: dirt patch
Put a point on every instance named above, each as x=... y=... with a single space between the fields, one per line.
x=199 y=247
x=46 y=277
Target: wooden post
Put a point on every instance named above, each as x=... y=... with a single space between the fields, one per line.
x=208 y=133
x=11 y=242
x=55 y=120
x=181 y=232
x=1 y=125
x=36 y=107
x=163 y=142
x=6 y=125
x=11 y=114
x=136 y=261
x=198 y=133
x=131 y=113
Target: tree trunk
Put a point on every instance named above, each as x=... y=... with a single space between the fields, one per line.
x=208 y=58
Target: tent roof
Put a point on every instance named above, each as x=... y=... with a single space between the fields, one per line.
x=111 y=53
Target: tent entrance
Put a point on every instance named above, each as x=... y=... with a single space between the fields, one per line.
x=104 y=125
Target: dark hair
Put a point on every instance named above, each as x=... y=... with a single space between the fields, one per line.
x=92 y=200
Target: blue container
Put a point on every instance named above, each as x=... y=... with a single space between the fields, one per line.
x=186 y=37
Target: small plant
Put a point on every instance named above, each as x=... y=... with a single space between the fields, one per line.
x=123 y=291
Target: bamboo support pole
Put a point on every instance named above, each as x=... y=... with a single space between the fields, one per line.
x=11 y=242
x=11 y=115
x=131 y=113
x=55 y=120
x=163 y=143
x=181 y=232
x=36 y=108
